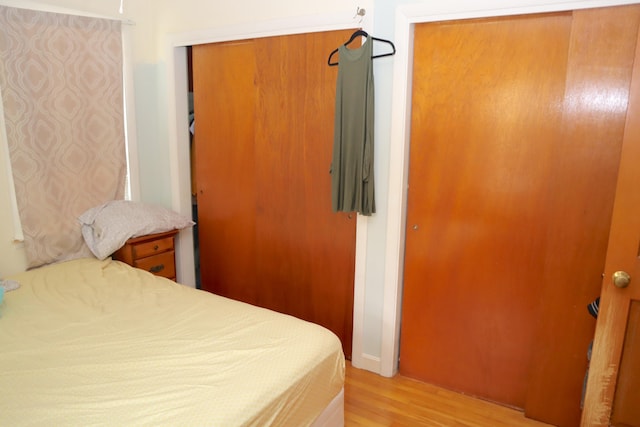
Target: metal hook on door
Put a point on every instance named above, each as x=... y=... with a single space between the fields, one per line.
x=360 y=13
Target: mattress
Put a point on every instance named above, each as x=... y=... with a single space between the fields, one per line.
x=89 y=342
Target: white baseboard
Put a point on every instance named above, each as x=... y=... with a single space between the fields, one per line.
x=367 y=362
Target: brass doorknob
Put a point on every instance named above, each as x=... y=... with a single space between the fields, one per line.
x=621 y=279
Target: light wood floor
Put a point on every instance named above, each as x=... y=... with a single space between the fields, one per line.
x=373 y=400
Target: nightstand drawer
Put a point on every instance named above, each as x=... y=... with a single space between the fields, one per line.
x=161 y=265
x=153 y=252
x=145 y=249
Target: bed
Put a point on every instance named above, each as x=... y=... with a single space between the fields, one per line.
x=97 y=342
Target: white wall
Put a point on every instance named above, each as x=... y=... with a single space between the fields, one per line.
x=160 y=23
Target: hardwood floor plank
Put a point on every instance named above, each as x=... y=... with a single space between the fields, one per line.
x=375 y=401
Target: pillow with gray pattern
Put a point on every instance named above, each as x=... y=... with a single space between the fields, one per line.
x=106 y=228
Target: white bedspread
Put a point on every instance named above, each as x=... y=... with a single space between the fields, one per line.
x=91 y=342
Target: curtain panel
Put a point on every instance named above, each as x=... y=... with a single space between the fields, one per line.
x=62 y=92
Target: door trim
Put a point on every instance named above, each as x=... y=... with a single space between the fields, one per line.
x=406 y=17
x=180 y=166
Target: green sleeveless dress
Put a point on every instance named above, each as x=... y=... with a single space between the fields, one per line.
x=352 y=185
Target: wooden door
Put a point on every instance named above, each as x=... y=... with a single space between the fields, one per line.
x=264 y=130
x=517 y=125
x=613 y=390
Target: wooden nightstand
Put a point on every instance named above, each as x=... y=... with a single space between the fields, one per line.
x=154 y=253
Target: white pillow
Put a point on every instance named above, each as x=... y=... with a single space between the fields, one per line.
x=107 y=227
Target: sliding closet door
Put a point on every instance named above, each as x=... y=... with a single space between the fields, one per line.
x=517 y=125
x=264 y=137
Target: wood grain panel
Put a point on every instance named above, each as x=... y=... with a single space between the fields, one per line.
x=580 y=203
x=301 y=240
x=516 y=136
x=272 y=132
x=225 y=108
x=485 y=108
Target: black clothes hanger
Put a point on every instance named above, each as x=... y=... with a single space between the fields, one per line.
x=364 y=33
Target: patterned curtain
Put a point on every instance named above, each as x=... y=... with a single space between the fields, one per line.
x=61 y=86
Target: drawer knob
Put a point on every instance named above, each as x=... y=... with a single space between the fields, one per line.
x=156 y=247
x=157 y=268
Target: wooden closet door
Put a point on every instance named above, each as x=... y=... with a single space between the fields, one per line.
x=264 y=125
x=517 y=125
x=587 y=159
